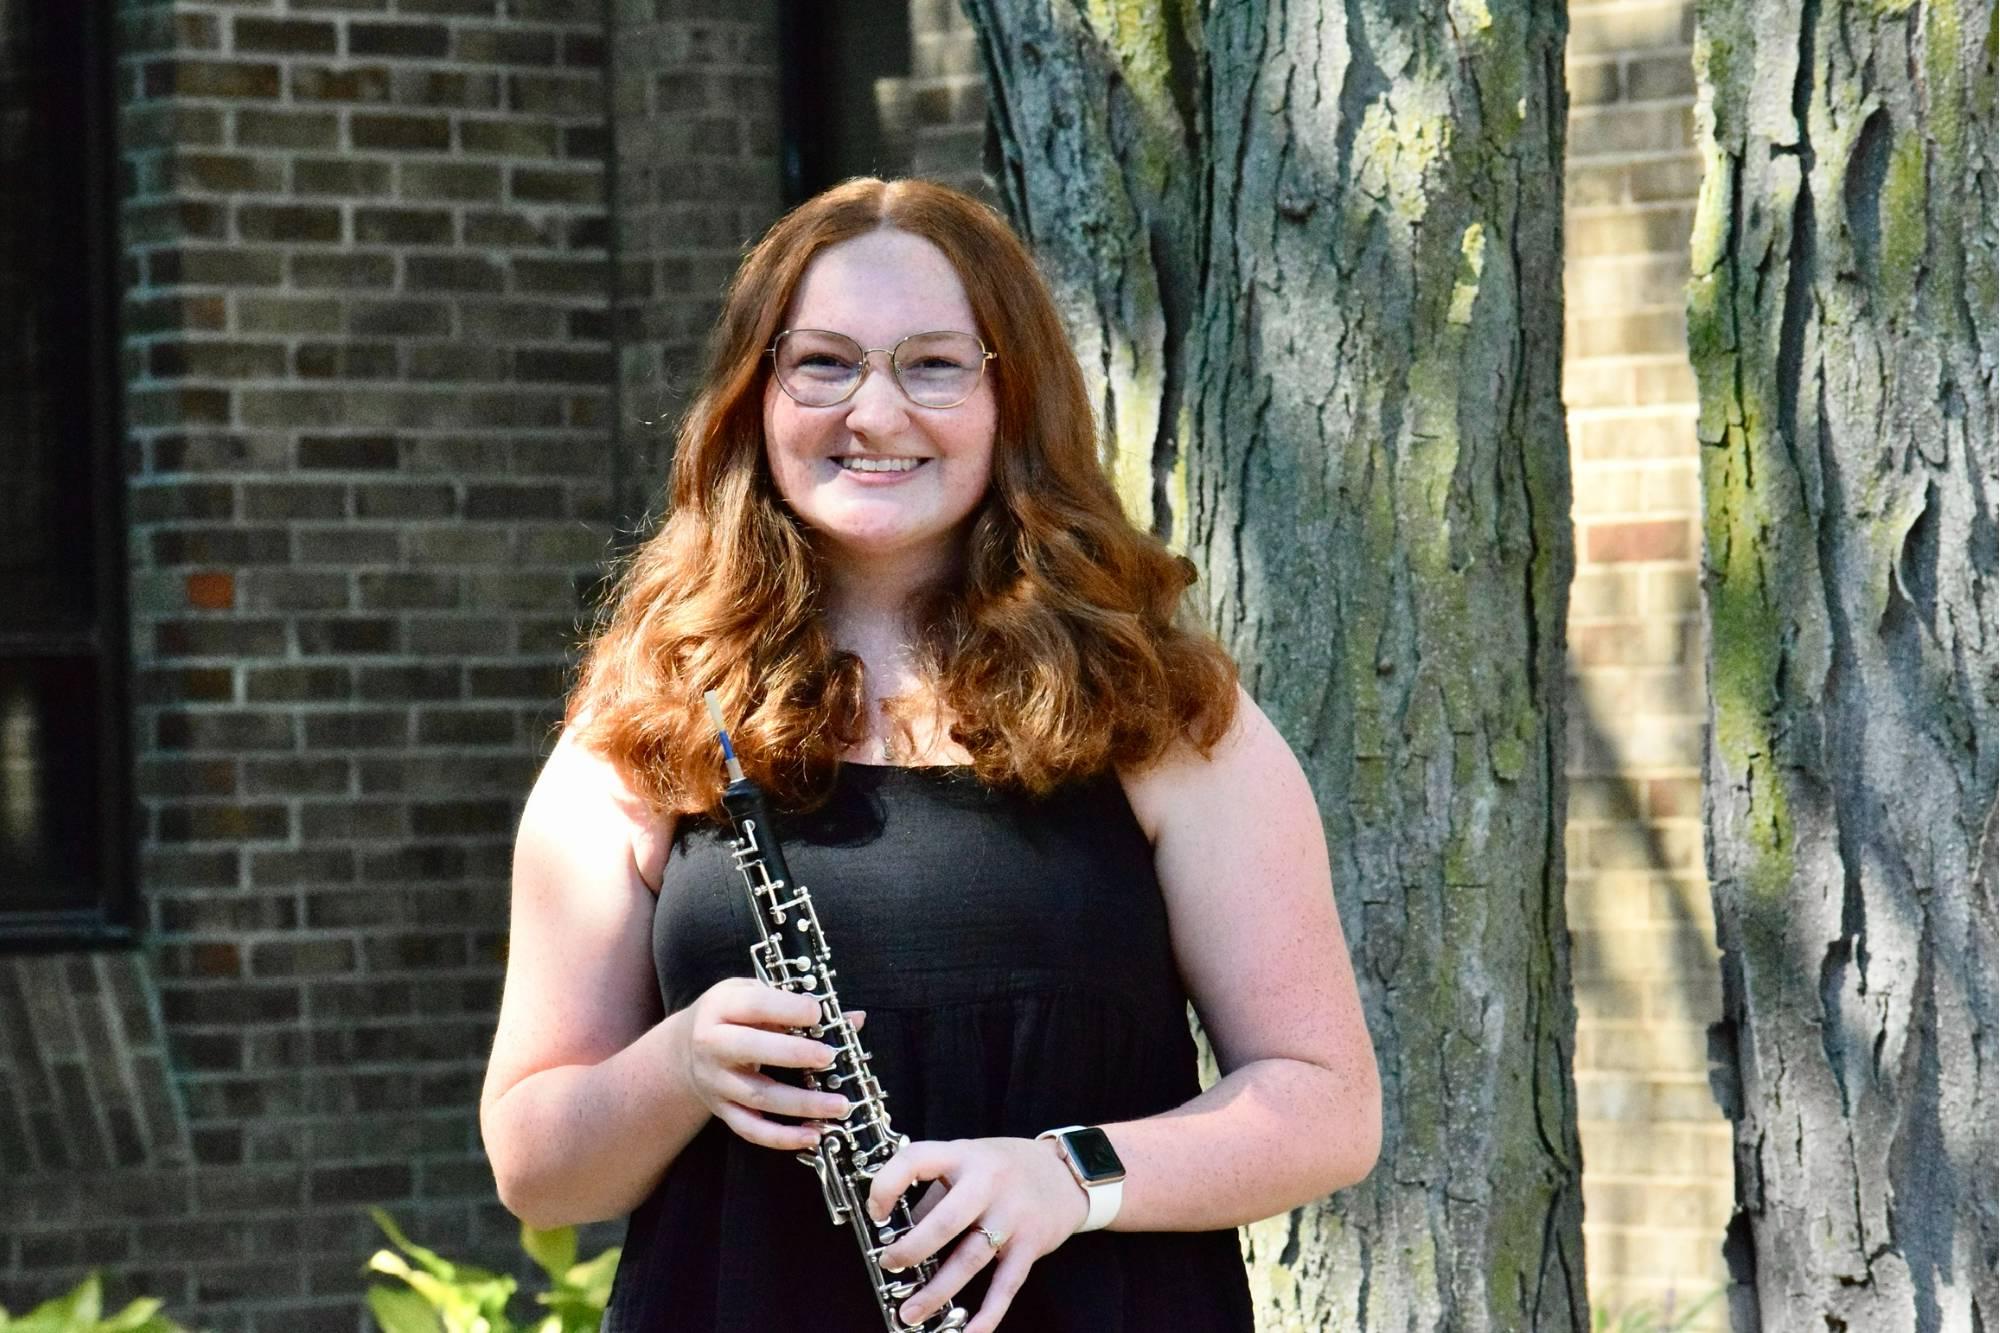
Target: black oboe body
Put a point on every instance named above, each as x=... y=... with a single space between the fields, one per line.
x=792 y=954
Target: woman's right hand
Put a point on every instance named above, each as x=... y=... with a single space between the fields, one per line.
x=740 y=1024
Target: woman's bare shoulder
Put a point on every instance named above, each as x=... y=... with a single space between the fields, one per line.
x=1183 y=780
x=581 y=792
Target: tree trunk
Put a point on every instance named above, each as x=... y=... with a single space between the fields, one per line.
x=1313 y=256
x=1841 y=318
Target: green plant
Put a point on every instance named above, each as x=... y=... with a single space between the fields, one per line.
x=443 y=1297
x=81 y=1310
x=1650 y=1316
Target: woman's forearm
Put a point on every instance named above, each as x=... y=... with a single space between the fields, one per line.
x=1270 y=1136
x=582 y=1143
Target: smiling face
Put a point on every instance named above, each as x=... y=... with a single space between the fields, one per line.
x=878 y=478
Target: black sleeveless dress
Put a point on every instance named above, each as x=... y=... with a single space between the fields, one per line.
x=1013 y=958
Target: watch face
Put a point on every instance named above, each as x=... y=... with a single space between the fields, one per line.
x=1095 y=1155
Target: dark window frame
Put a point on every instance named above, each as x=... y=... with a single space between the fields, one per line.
x=105 y=912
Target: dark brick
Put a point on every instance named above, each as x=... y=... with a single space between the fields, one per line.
x=186 y=777
x=229 y=1005
x=406 y=40
x=347 y=546
x=260 y=128
x=524 y=681
x=284 y=36
x=389 y=953
x=460 y=181
x=180 y=914
x=347 y=453
x=349 y=820
x=411 y=682
x=514 y=501
x=356 y=729
x=404 y=133
x=294 y=866
x=209 y=685
x=223 y=823
x=219 y=546
x=287 y=222
x=215 y=359
x=293 y=500
x=219 y=638
x=225 y=730
x=439 y=726
x=465 y=273
x=404 y=500
x=398 y=318
x=510 y=138
x=589 y=366
x=211 y=78
x=408 y=590
x=342 y=270
x=346 y=636
x=343 y=176
x=312 y=776
x=283 y=684
x=505 y=46
x=349 y=908
x=295 y=958
x=404 y=226
x=179 y=500
x=553 y=185
x=219 y=268
x=415 y=861
x=294 y=589
x=353 y=83
x=457 y=361
x=345 y=361
x=462 y=819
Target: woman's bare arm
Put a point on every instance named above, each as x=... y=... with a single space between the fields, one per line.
x=583 y=1108
x=1297 y=1114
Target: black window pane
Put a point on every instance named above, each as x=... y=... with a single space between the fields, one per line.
x=46 y=465
x=49 y=797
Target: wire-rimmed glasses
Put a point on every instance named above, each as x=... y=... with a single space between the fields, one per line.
x=820 y=368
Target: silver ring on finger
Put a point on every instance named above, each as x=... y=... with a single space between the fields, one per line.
x=993 y=1238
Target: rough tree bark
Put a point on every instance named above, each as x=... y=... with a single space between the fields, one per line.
x=1312 y=255
x=1841 y=317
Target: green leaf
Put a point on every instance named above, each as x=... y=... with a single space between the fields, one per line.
x=399 y=1310
x=554 y=1249
x=132 y=1318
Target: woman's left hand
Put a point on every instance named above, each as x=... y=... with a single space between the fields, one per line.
x=1008 y=1201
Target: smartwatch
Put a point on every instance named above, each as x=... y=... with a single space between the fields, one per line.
x=1087 y=1152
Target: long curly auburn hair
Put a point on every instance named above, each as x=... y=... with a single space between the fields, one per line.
x=1055 y=653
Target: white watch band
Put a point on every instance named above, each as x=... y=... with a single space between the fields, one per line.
x=1102 y=1199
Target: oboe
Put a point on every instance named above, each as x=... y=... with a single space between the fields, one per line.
x=791 y=954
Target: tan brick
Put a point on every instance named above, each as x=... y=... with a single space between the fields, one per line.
x=1604 y=283
x=1660 y=846
x=1607 y=490
x=1680 y=899
x=1620 y=696
x=1658 y=1098
x=1622 y=130
x=1602 y=1000
x=1634 y=643
x=1642 y=1048
x=1586 y=385
x=1652 y=436
x=1669 y=75
x=1666 y=382
x=1622 y=27
x=1605 y=592
x=1592 y=82
x=1671 y=592
x=1649 y=952
x=1601 y=798
x=1693 y=998
x=1673 y=489
x=1655 y=539
x=1638 y=333
x=1596 y=185
x=1615 y=743
x=1666 y=179
x=1675 y=798
x=1660 y=230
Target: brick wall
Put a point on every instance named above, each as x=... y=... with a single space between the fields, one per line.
x=1656 y=1149
x=367 y=372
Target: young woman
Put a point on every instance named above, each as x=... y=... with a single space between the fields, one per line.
x=1036 y=813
